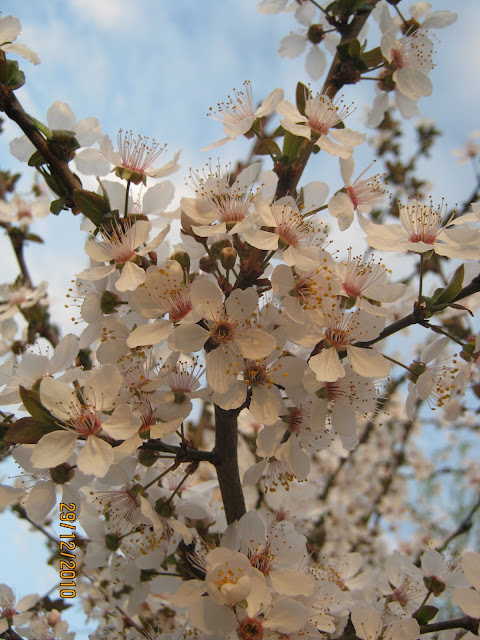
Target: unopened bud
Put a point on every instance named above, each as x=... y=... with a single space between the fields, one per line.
x=164 y=508
x=147 y=458
x=386 y=82
x=112 y=541
x=207 y=264
x=228 y=257
x=62 y=473
x=53 y=617
x=109 y=302
x=216 y=247
x=182 y=258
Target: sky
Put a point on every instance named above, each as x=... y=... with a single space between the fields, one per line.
x=156 y=66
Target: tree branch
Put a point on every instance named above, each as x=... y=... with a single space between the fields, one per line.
x=225 y=455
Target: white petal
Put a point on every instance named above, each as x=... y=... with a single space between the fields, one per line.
x=54 y=449
x=60 y=116
x=41 y=500
x=149 y=334
x=368 y=363
x=291 y=583
x=96 y=457
x=131 y=277
x=123 y=423
x=326 y=366
x=367 y=622
x=315 y=63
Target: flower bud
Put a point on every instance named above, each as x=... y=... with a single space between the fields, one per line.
x=109 y=302
x=62 y=473
x=182 y=258
x=228 y=257
x=216 y=247
x=147 y=458
x=207 y=264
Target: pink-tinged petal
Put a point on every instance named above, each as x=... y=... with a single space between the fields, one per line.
x=41 y=500
x=222 y=369
x=22 y=50
x=149 y=334
x=91 y=162
x=132 y=276
x=264 y=405
x=96 y=457
x=101 y=387
x=54 y=449
x=59 y=398
x=471 y=568
x=123 y=423
x=291 y=583
x=368 y=363
x=367 y=622
x=326 y=366
x=468 y=600
x=187 y=338
x=255 y=344
x=287 y=616
x=270 y=103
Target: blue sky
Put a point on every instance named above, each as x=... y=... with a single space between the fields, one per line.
x=156 y=66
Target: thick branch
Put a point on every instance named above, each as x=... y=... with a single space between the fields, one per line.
x=184 y=452
x=226 y=462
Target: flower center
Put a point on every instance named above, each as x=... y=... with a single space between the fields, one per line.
x=250 y=629
x=223 y=332
x=87 y=424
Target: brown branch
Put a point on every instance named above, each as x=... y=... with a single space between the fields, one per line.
x=466 y=622
x=226 y=462
x=14 y=110
x=184 y=452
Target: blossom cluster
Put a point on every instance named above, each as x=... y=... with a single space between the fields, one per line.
x=254 y=317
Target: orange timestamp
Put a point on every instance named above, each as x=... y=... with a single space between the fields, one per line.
x=67 y=547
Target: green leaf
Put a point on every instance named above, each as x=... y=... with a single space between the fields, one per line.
x=36 y=160
x=26 y=431
x=92 y=205
x=31 y=400
x=373 y=57
x=267 y=147
x=292 y=146
x=301 y=95
x=453 y=288
x=58 y=205
x=425 y=614
x=32 y=237
x=10 y=75
x=354 y=48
